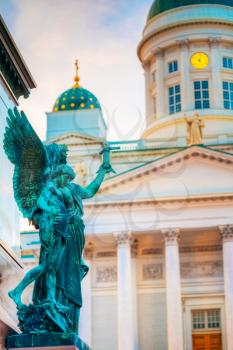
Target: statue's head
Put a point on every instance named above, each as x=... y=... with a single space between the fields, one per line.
x=56 y=155
x=63 y=174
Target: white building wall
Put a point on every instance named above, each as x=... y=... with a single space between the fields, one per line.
x=152 y=320
x=104 y=326
x=9 y=215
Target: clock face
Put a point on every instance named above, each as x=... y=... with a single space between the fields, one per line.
x=200 y=60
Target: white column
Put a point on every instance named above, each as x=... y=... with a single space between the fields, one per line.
x=186 y=85
x=149 y=109
x=126 y=323
x=160 y=86
x=227 y=237
x=173 y=290
x=215 y=62
x=85 y=324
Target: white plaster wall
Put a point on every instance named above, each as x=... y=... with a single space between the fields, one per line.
x=152 y=321
x=104 y=322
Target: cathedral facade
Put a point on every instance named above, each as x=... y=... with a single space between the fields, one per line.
x=159 y=234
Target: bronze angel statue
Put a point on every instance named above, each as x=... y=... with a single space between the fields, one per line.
x=46 y=195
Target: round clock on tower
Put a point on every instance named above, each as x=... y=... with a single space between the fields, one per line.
x=200 y=60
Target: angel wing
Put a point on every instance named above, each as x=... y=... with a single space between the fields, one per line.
x=26 y=151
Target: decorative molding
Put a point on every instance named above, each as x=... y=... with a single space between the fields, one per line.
x=12 y=65
x=152 y=251
x=176 y=25
x=158 y=202
x=106 y=274
x=226 y=232
x=152 y=271
x=201 y=269
x=171 y=235
x=106 y=254
x=199 y=249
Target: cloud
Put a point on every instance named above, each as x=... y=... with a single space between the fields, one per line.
x=103 y=35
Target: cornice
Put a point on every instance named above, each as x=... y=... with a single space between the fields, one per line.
x=162 y=201
x=194 y=22
x=12 y=65
x=166 y=162
x=67 y=136
x=162 y=123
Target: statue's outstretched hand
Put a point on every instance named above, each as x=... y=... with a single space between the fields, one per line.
x=106 y=165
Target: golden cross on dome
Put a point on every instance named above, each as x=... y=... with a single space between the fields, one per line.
x=76 y=78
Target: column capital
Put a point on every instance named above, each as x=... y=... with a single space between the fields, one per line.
x=226 y=233
x=123 y=238
x=214 y=41
x=184 y=44
x=159 y=52
x=171 y=235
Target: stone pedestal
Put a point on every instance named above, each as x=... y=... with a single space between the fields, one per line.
x=48 y=341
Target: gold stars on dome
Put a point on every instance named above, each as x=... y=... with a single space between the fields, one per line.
x=76 y=78
x=76 y=98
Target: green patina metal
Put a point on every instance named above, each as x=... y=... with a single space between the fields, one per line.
x=45 y=340
x=46 y=195
x=160 y=6
x=76 y=98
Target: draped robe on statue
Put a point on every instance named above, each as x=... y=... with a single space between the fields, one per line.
x=72 y=268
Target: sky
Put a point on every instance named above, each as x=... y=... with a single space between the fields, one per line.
x=103 y=35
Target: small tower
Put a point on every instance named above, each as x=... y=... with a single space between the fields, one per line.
x=186 y=53
x=76 y=110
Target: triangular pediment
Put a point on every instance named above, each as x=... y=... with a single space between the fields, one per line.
x=195 y=171
x=77 y=138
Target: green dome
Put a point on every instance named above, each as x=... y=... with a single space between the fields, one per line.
x=160 y=6
x=76 y=98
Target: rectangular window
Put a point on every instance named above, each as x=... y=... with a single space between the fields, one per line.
x=213 y=317
x=198 y=319
x=227 y=62
x=172 y=66
x=227 y=94
x=201 y=94
x=174 y=99
x=206 y=319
